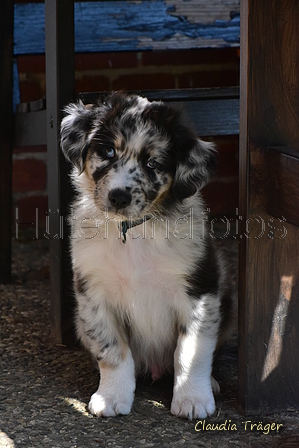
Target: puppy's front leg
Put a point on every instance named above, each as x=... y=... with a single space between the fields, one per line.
x=102 y=334
x=115 y=394
x=193 y=390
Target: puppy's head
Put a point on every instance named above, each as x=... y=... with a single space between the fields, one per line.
x=134 y=155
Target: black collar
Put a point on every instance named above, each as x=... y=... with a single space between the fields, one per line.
x=125 y=225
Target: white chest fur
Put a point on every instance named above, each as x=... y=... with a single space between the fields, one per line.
x=143 y=279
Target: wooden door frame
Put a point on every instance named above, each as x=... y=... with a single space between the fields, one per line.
x=268 y=279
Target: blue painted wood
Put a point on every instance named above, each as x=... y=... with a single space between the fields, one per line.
x=16 y=88
x=29 y=28
x=122 y=26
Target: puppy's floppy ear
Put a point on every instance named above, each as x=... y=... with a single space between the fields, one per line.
x=75 y=133
x=194 y=170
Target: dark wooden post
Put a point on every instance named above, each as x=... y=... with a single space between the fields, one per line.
x=269 y=206
x=60 y=76
x=6 y=126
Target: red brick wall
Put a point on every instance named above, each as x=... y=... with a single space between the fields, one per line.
x=222 y=193
x=29 y=187
x=137 y=70
x=129 y=71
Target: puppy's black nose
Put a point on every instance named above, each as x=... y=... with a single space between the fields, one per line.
x=119 y=198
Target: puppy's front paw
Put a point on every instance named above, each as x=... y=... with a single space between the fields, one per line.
x=108 y=404
x=193 y=406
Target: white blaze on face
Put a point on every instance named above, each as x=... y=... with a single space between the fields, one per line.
x=123 y=177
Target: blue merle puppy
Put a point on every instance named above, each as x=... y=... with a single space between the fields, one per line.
x=151 y=290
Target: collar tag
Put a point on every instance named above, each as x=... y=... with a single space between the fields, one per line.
x=123 y=231
x=125 y=225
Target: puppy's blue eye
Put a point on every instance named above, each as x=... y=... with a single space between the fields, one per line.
x=152 y=163
x=110 y=152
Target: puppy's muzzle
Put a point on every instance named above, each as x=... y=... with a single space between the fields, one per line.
x=119 y=198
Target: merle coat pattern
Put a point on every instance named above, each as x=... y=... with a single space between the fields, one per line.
x=151 y=290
